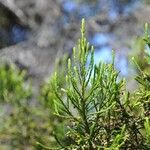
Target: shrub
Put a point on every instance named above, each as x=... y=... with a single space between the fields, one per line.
x=99 y=112
x=22 y=123
x=14 y=96
x=12 y=86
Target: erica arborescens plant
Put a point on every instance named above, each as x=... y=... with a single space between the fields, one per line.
x=98 y=111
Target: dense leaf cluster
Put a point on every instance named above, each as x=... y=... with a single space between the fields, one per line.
x=99 y=112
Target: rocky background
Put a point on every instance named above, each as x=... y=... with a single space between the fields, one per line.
x=34 y=33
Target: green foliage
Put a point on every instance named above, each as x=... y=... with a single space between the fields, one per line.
x=21 y=123
x=147 y=129
x=12 y=86
x=85 y=106
x=14 y=95
x=98 y=111
x=47 y=97
x=140 y=50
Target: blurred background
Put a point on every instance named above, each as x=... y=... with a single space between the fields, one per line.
x=36 y=33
